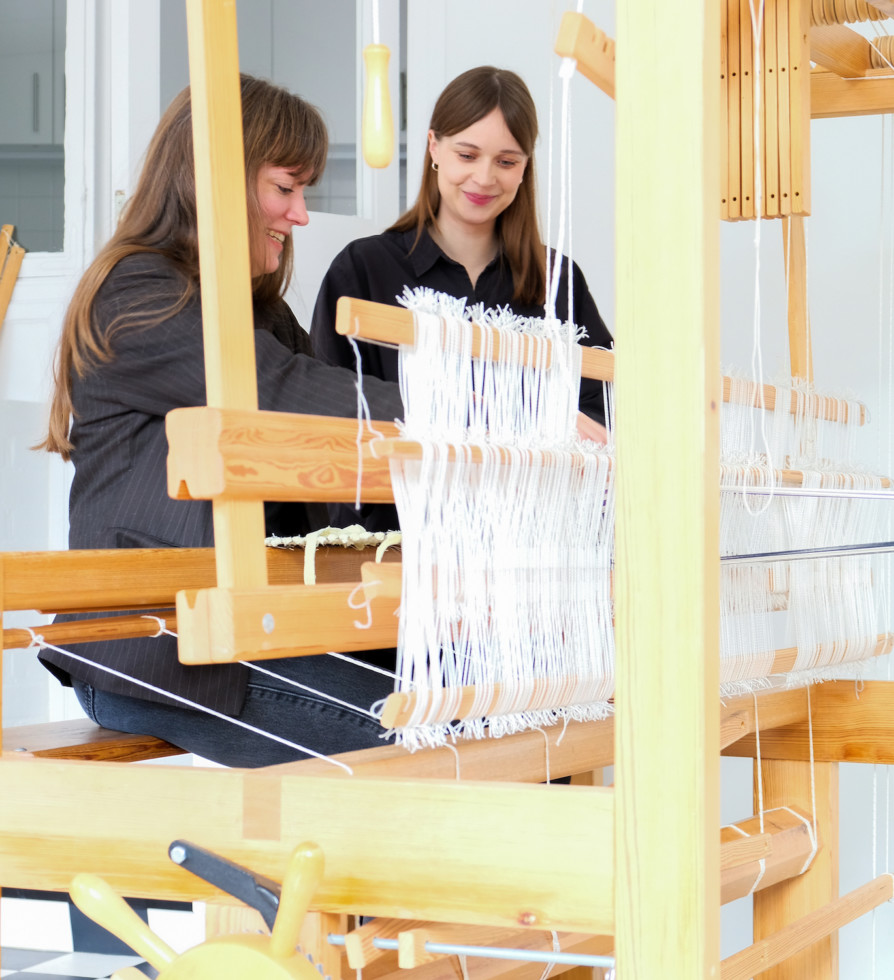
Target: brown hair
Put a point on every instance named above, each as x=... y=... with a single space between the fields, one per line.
x=468 y=98
x=279 y=129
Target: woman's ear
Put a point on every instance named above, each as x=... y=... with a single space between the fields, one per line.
x=433 y=145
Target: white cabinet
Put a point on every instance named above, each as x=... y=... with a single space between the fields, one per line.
x=31 y=72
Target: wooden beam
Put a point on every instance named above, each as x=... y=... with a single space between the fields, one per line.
x=224 y=264
x=133 y=578
x=118 y=821
x=847 y=727
x=226 y=625
x=215 y=453
x=775 y=908
x=813 y=927
x=840 y=49
x=84 y=739
x=832 y=96
x=579 y=38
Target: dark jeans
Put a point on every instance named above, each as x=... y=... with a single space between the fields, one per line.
x=271 y=705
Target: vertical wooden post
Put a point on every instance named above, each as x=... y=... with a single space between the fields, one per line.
x=230 y=373
x=667 y=565
x=789 y=784
x=795 y=250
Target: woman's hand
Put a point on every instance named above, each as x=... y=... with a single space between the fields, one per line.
x=588 y=429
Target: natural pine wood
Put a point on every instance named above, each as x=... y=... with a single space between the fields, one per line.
x=218 y=453
x=840 y=49
x=83 y=739
x=778 y=907
x=594 y=52
x=832 y=96
x=812 y=928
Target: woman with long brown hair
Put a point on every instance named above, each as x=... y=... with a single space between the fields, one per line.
x=132 y=350
x=472 y=232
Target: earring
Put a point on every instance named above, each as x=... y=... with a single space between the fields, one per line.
x=434 y=166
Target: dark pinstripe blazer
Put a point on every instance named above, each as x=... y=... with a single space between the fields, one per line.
x=119 y=495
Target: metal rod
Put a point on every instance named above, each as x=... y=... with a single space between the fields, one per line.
x=496 y=952
x=877 y=494
x=832 y=551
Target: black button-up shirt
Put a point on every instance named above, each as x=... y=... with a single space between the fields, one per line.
x=379 y=267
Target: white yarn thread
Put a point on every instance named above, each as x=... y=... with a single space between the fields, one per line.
x=39 y=641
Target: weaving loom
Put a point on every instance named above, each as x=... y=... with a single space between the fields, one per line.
x=513 y=862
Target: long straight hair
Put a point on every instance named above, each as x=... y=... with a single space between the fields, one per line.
x=279 y=129
x=465 y=100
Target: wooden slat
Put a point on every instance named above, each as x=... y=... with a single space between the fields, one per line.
x=594 y=51
x=841 y=50
x=783 y=92
x=798 y=935
x=376 y=837
x=380 y=323
x=833 y=96
x=217 y=453
x=799 y=339
x=846 y=727
x=799 y=103
x=734 y=111
x=746 y=102
x=773 y=136
x=83 y=739
x=131 y=578
x=226 y=625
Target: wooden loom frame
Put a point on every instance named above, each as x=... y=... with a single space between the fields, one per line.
x=599 y=873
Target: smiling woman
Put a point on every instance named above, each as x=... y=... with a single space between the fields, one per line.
x=472 y=232
x=281 y=203
x=131 y=351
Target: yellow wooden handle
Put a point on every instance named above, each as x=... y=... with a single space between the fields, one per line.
x=95 y=898
x=303 y=875
x=378 y=125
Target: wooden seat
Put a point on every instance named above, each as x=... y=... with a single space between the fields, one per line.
x=84 y=739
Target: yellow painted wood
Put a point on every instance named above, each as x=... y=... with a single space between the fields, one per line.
x=223 y=625
x=97 y=900
x=376 y=834
x=217 y=453
x=227 y=318
x=579 y=38
x=666 y=614
x=780 y=906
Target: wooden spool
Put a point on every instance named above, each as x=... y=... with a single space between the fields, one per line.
x=843 y=12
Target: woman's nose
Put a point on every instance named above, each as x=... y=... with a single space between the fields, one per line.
x=298 y=211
